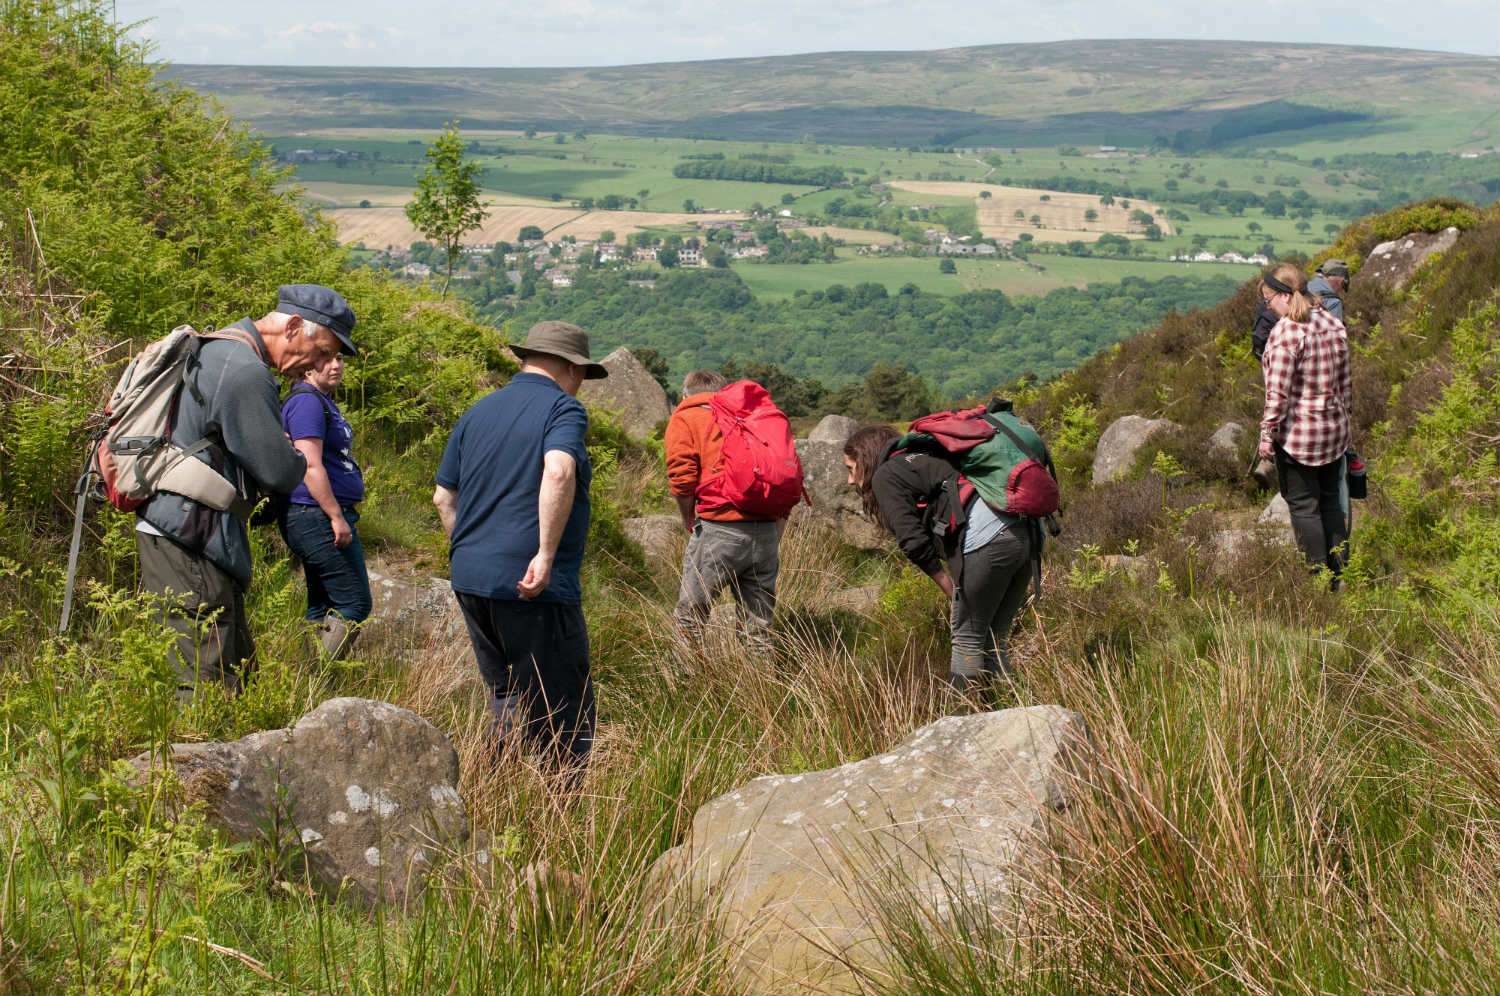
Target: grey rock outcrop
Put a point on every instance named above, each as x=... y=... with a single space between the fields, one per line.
x=1394 y=262
x=1226 y=440
x=421 y=607
x=799 y=868
x=368 y=790
x=630 y=392
x=1277 y=513
x=826 y=480
x=661 y=537
x=1116 y=452
x=834 y=429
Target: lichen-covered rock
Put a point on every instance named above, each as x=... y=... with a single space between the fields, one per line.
x=1394 y=262
x=661 y=537
x=421 y=606
x=1118 y=445
x=798 y=868
x=834 y=429
x=1226 y=440
x=368 y=790
x=826 y=479
x=630 y=392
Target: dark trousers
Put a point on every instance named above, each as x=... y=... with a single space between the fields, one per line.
x=336 y=579
x=206 y=608
x=537 y=652
x=995 y=582
x=1318 y=522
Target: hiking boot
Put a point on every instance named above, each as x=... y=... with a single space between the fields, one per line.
x=336 y=637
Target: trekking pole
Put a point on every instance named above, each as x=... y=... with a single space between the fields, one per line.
x=82 y=489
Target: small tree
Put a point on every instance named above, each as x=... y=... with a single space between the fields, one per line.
x=446 y=206
x=947 y=265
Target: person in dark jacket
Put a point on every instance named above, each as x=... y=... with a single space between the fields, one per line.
x=1328 y=284
x=197 y=559
x=319 y=522
x=980 y=558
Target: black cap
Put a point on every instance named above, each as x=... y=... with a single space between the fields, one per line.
x=319 y=304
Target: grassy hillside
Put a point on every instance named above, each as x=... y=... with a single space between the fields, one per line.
x=1087 y=91
x=1302 y=794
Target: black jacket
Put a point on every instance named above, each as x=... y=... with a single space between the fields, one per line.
x=918 y=498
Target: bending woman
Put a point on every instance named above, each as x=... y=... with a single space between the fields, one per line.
x=1305 y=424
x=319 y=522
x=915 y=495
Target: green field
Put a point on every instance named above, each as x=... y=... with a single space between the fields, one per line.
x=775 y=281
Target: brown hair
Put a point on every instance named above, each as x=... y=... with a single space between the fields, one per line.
x=702 y=380
x=1287 y=278
x=866 y=447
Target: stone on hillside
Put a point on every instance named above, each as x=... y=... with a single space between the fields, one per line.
x=426 y=608
x=826 y=479
x=1277 y=513
x=834 y=429
x=1394 y=262
x=799 y=867
x=369 y=790
x=1226 y=440
x=661 y=537
x=1120 y=443
x=630 y=392
x=861 y=601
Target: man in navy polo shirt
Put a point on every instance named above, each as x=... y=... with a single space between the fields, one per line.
x=513 y=496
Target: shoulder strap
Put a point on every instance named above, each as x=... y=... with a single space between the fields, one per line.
x=301 y=387
x=237 y=335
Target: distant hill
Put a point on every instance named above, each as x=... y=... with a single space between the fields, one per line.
x=1109 y=92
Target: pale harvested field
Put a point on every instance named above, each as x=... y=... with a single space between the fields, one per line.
x=378 y=227
x=1061 y=215
x=328 y=194
x=853 y=236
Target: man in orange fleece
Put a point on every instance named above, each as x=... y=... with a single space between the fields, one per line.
x=725 y=546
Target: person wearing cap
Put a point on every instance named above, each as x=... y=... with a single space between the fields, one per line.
x=513 y=497
x=197 y=559
x=1328 y=285
x=319 y=521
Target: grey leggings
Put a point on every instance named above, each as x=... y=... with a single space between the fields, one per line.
x=985 y=602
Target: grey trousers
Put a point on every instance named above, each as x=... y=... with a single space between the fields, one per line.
x=742 y=556
x=985 y=603
x=206 y=608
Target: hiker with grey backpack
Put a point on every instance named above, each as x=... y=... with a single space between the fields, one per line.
x=192 y=439
x=967 y=496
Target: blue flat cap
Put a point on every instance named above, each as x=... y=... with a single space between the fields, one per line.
x=319 y=304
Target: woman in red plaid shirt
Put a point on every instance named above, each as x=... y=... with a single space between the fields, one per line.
x=1305 y=425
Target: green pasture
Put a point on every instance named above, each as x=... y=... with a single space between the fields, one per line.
x=775 y=281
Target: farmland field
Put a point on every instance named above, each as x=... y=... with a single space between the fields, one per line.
x=1006 y=212
x=388 y=226
x=773 y=281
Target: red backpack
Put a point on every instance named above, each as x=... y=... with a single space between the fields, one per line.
x=762 y=476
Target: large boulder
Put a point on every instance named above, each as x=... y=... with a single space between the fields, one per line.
x=366 y=789
x=1226 y=440
x=422 y=607
x=1120 y=443
x=661 y=537
x=1394 y=262
x=630 y=392
x=834 y=429
x=797 y=869
x=826 y=479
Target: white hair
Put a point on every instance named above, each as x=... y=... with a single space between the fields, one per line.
x=310 y=328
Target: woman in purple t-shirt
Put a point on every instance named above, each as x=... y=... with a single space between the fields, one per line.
x=319 y=521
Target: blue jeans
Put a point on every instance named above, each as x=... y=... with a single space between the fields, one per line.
x=336 y=579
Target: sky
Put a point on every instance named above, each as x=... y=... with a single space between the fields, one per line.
x=569 y=33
